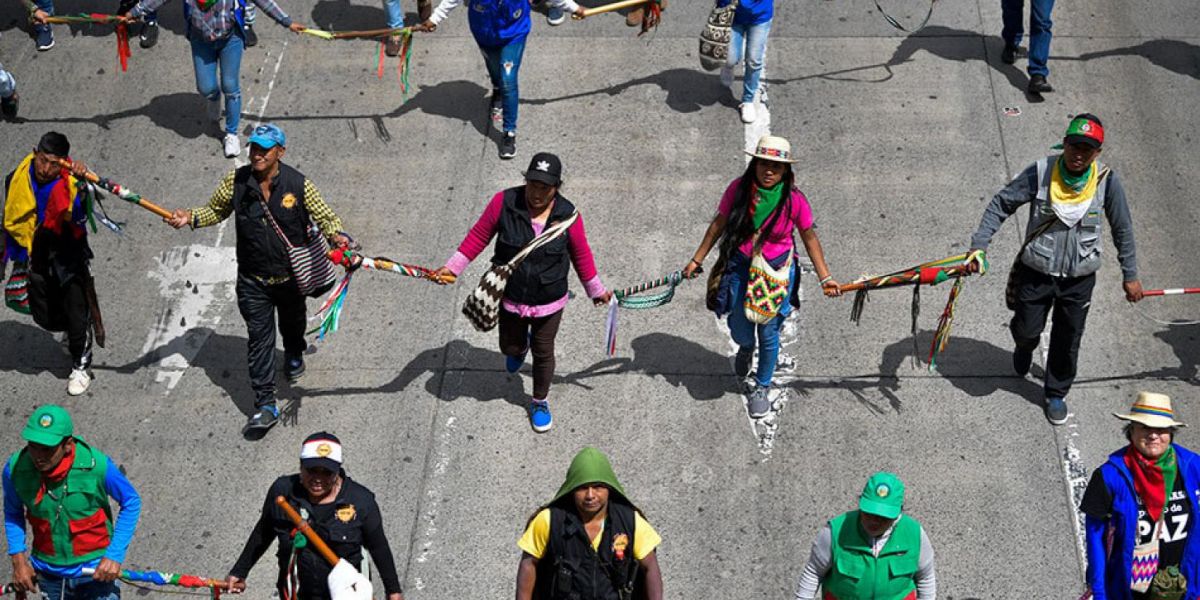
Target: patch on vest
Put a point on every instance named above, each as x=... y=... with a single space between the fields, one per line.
x=345 y=513
x=619 y=544
x=288 y=200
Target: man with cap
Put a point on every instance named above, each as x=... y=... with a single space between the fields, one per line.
x=1070 y=196
x=46 y=211
x=268 y=199
x=888 y=550
x=536 y=294
x=72 y=533
x=342 y=512
x=1142 y=502
x=589 y=542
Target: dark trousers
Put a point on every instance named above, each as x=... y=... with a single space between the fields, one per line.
x=57 y=306
x=1013 y=12
x=258 y=303
x=518 y=334
x=1069 y=298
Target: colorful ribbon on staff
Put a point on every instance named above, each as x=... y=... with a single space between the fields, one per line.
x=405 y=56
x=123 y=52
x=629 y=298
x=329 y=314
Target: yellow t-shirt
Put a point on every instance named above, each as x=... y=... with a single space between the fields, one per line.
x=645 y=538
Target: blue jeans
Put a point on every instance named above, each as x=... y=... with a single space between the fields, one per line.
x=1039 y=30
x=395 y=15
x=749 y=41
x=746 y=333
x=228 y=53
x=77 y=588
x=503 y=64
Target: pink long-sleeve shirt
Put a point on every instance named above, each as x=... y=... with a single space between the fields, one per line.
x=480 y=237
x=779 y=239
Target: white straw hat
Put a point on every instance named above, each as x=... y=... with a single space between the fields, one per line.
x=1152 y=410
x=774 y=148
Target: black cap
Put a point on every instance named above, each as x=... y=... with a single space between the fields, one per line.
x=545 y=168
x=321 y=450
x=54 y=143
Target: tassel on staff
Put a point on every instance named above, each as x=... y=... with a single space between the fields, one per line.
x=122 y=31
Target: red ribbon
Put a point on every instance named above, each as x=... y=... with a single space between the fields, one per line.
x=123 y=52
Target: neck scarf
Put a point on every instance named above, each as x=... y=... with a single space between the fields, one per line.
x=57 y=474
x=1152 y=480
x=764 y=205
x=1071 y=195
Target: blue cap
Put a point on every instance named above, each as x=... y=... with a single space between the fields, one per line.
x=268 y=136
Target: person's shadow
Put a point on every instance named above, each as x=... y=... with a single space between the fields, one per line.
x=181 y=112
x=341 y=15
x=688 y=90
x=30 y=350
x=957 y=45
x=1173 y=55
x=1185 y=343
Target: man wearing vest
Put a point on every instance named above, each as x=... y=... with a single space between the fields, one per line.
x=343 y=514
x=264 y=282
x=62 y=487
x=590 y=542
x=873 y=553
x=1070 y=196
x=46 y=211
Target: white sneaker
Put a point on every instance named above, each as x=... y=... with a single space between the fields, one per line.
x=749 y=114
x=78 y=382
x=233 y=146
x=214 y=109
x=727 y=76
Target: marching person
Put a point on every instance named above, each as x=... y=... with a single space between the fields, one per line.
x=395 y=20
x=46 y=209
x=1142 y=501
x=748 y=43
x=1013 y=14
x=756 y=217
x=62 y=487
x=873 y=552
x=536 y=294
x=342 y=513
x=589 y=542
x=265 y=285
x=217 y=30
x=1070 y=195
x=500 y=28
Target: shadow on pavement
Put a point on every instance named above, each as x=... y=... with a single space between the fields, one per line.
x=340 y=15
x=1173 y=55
x=27 y=349
x=181 y=112
x=933 y=39
x=688 y=90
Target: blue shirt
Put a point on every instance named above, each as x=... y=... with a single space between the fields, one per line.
x=751 y=12
x=115 y=484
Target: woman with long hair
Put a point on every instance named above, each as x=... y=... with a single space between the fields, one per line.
x=753 y=232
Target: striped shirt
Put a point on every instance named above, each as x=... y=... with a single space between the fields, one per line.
x=219 y=21
x=220 y=206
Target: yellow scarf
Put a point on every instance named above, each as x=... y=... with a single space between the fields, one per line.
x=1061 y=193
x=20 y=205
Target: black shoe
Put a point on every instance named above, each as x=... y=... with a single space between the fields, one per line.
x=508 y=145
x=1010 y=54
x=1021 y=361
x=294 y=368
x=1056 y=410
x=8 y=107
x=251 y=37
x=263 y=419
x=149 y=36
x=1039 y=85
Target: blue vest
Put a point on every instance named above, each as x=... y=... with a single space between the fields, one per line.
x=1115 y=572
x=498 y=22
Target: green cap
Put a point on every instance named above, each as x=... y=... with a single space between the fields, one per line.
x=49 y=425
x=883 y=496
x=589 y=466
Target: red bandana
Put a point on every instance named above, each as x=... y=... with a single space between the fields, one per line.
x=57 y=474
x=1153 y=480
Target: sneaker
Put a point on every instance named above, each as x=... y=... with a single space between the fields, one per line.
x=263 y=419
x=508 y=145
x=392 y=46
x=294 y=368
x=233 y=146
x=539 y=416
x=149 y=36
x=1022 y=359
x=497 y=106
x=759 y=404
x=251 y=37
x=727 y=76
x=741 y=362
x=45 y=38
x=749 y=115
x=9 y=106
x=555 y=16
x=78 y=381
x=1056 y=410
x=213 y=109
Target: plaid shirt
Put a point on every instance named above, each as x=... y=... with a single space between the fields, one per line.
x=220 y=206
x=219 y=21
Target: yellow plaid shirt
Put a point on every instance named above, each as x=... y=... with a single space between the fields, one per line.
x=220 y=206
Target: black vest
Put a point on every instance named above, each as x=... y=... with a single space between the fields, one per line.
x=542 y=277
x=259 y=249
x=571 y=570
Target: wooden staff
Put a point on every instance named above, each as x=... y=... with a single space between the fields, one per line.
x=587 y=12
x=108 y=185
x=911 y=277
x=307 y=530
x=1171 y=292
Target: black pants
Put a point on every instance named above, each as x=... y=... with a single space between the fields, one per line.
x=515 y=336
x=1069 y=298
x=58 y=306
x=258 y=302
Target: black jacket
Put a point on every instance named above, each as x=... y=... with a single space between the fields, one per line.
x=259 y=250
x=542 y=277
x=571 y=569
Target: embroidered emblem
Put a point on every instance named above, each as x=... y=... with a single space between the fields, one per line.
x=517 y=13
x=543 y=166
x=46 y=421
x=882 y=491
x=1085 y=127
x=303 y=513
x=619 y=544
x=323 y=450
x=345 y=513
x=288 y=200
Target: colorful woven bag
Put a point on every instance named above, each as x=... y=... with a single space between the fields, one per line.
x=1145 y=561
x=714 y=38
x=16 y=291
x=766 y=289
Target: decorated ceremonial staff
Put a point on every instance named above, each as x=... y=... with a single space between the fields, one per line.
x=338 y=519
x=41 y=14
x=1070 y=196
x=284 y=229
x=62 y=488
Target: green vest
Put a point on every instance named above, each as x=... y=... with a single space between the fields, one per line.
x=73 y=522
x=856 y=574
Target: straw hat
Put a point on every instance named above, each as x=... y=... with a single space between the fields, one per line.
x=774 y=148
x=1152 y=410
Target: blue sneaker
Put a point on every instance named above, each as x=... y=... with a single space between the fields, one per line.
x=1056 y=410
x=555 y=16
x=512 y=364
x=539 y=416
x=294 y=368
x=263 y=419
x=45 y=37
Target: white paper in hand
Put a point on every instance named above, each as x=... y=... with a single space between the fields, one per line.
x=346 y=583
